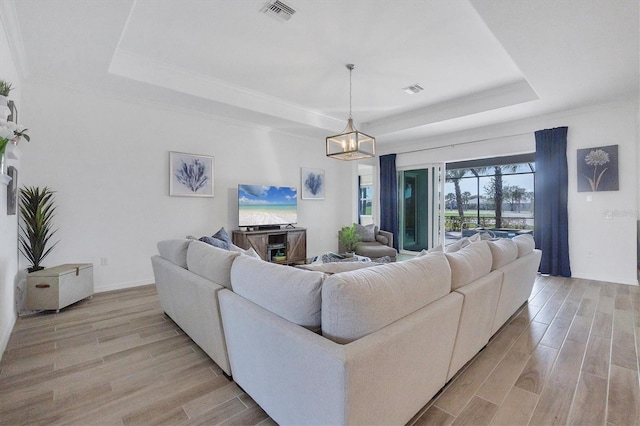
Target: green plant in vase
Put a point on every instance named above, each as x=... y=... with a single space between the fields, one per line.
x=5 y=88
x=37 y=209
x=349 y=238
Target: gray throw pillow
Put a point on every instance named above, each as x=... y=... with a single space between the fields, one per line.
x=367 y=233
x=222 y=235
x=215 y=242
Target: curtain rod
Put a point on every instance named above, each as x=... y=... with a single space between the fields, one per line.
x=465 y=143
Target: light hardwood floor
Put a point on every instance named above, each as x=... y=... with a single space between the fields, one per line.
x=567 y=357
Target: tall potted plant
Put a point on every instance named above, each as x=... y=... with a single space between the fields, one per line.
x=349 y=238
x=37 y=209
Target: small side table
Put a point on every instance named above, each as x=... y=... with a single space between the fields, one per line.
x=58 y=287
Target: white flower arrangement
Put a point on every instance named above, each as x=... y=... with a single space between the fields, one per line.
x=10 y=132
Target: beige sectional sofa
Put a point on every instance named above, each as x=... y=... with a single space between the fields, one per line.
x=189 y=275
x=369 y=346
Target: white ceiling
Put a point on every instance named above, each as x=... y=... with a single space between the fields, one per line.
x=480 y=61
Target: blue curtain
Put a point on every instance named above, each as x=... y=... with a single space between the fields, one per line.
x=551 y=229
x=389 y=196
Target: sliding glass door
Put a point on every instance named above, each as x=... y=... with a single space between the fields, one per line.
x=421 y=205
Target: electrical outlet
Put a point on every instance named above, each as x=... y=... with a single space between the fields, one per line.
x=104 y=261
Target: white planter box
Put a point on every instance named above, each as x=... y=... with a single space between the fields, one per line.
x=58 y=287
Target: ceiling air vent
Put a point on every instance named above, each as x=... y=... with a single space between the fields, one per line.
x=279 y=10
x=413 y=89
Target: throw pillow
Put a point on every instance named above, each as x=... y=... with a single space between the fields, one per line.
x=215 y=242
x=382 y=239
x=436 y=249
x=252 y=253
x=475 y=238
x=328 y=258
x=462 y=242
x=367 y=233
x=249 y=252
x=222 y=235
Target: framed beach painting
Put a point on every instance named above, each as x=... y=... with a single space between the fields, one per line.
x=313 y=184
x=598 y=169
x=190 y=175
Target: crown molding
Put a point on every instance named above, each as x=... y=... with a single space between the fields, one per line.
x=503 y=130
x=83 y=90
x=11 y=25
x=498 y=97
x=148 y=70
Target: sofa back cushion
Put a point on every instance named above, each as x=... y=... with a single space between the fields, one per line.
x=175 y=251
x=210 y=262
x=525 y=243
x=469 y=263
x=360 y=302
x=503 y=251
x=291 y=293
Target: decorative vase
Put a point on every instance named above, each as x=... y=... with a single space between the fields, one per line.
x=3 y=169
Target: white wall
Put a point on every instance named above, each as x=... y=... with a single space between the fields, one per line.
x=8 y=224
x=108 y=161
x=602 y=233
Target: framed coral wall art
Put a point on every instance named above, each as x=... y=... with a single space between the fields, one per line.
x=190 y=175
x=313 y=184
x=598 y=169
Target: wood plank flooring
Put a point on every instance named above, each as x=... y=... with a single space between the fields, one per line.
x=570 y=356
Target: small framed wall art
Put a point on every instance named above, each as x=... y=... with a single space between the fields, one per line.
x=313 y=184
x=190 y=175
x=598 y=169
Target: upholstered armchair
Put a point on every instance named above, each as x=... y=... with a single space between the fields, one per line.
x=374 y=243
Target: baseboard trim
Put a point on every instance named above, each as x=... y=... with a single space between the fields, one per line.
x=6 y=334
x=121 y=286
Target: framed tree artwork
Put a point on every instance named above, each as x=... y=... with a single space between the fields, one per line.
x=190 y=175
x=598 y=169
x=313 y=184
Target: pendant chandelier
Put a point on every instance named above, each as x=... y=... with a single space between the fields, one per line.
x=351 y=144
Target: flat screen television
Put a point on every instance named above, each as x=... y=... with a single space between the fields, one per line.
x=267 y=206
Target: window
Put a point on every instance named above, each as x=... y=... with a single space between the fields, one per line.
x=365 y=194
x=495 y=194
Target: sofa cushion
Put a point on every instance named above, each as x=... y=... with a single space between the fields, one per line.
x=175 y=251
x=469 y=263
x=360 y=302
x=503 y=251
x=291 y=293
x=210 y=262
x=525 y=243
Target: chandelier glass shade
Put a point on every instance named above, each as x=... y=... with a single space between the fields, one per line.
x=351 y=144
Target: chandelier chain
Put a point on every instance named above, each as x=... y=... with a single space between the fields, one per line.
x=350 y=97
